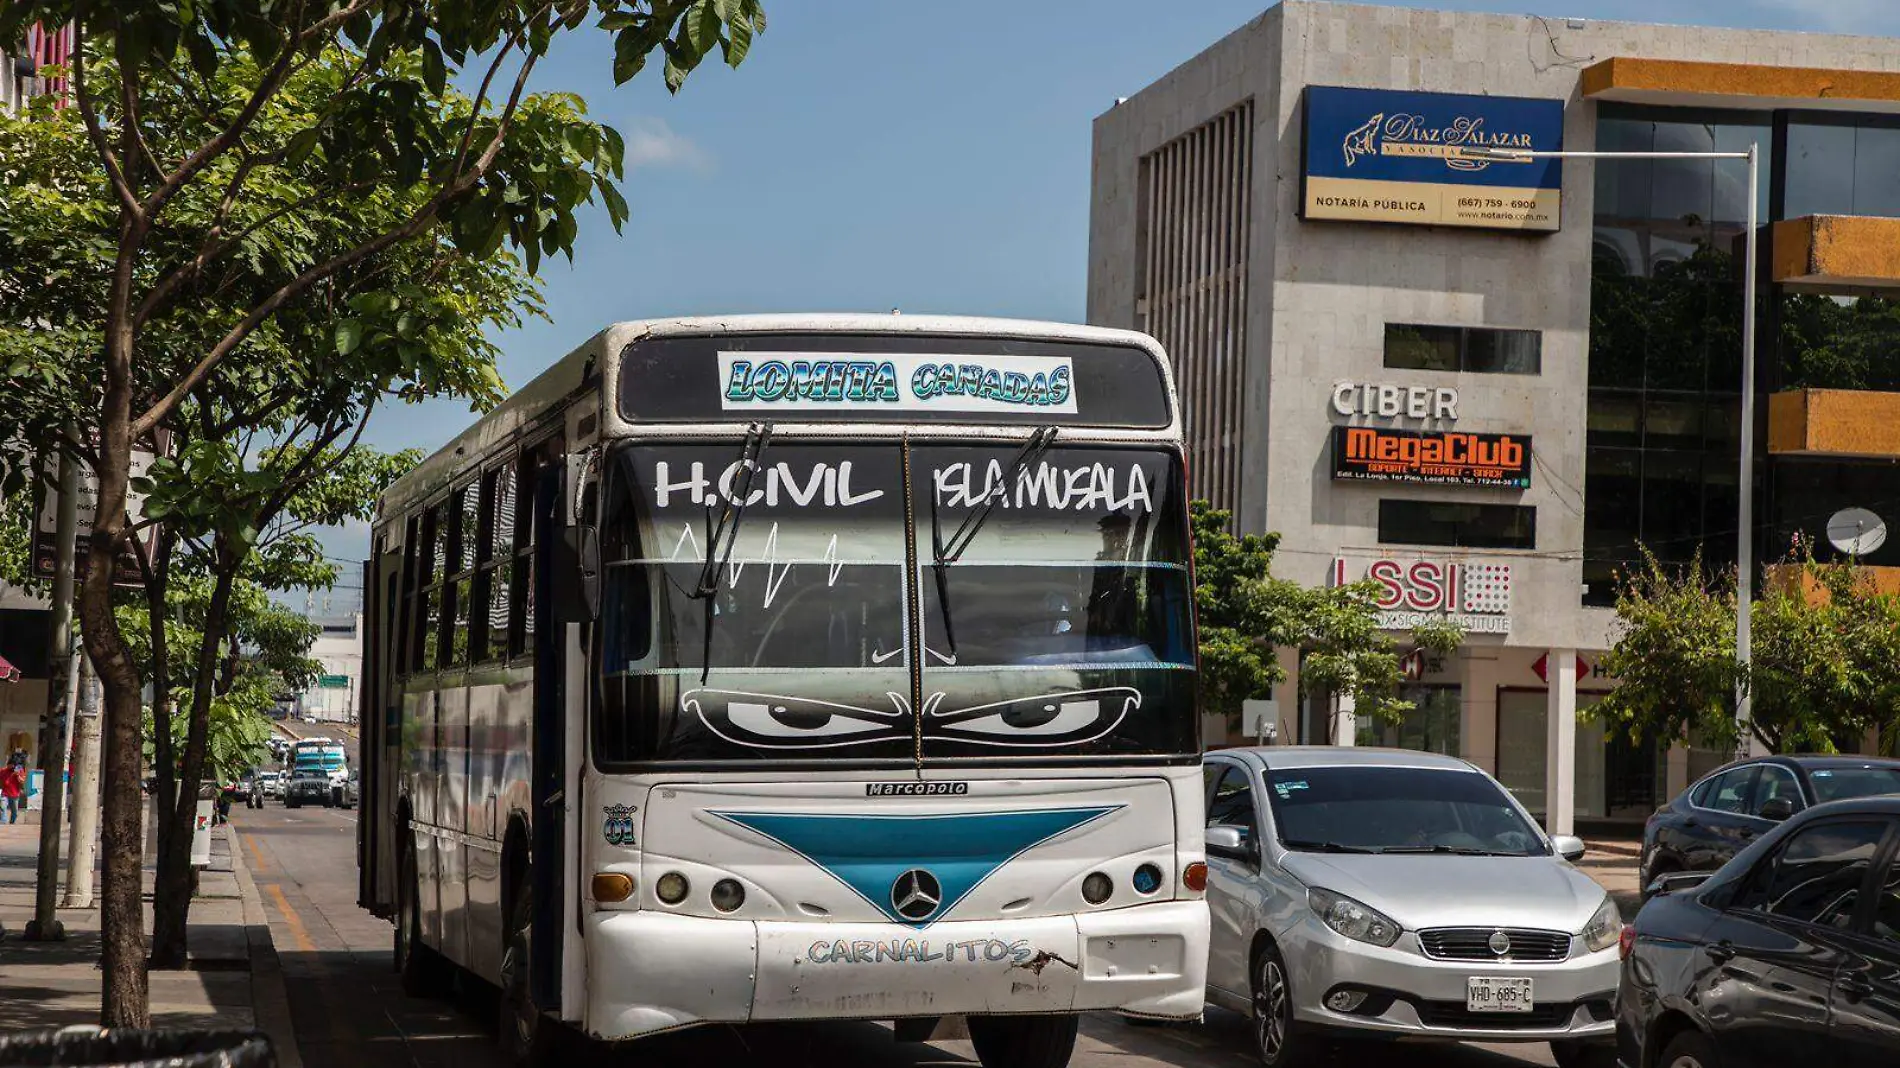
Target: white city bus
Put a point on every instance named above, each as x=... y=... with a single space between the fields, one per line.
x=797 y=667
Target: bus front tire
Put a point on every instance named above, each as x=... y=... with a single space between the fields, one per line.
x=526 y=1038
x=1024 y=1041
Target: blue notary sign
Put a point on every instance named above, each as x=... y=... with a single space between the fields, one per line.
x=1381 y=155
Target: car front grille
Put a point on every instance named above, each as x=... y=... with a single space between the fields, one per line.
x=1474 y=944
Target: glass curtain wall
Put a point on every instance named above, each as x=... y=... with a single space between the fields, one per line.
x=1665 y=340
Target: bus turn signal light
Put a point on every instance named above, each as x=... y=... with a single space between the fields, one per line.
x=612 y=886
x=1195 y=877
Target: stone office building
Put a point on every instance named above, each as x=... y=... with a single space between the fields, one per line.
x=1485 y=380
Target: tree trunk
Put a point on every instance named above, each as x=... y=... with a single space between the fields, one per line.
x=164 y=760
x=125 y=1002
x=171 y=899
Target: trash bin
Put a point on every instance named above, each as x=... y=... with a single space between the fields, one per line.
x=96 y=1047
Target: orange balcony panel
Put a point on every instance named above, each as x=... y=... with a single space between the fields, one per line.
x=1834 y=422
x=1740 y=85
x=1837 y=252
x=1789 y=578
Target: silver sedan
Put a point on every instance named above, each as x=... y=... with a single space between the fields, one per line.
x=1398 y=895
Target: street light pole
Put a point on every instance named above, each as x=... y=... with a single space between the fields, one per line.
x=1745 y=502
x=1745 y=505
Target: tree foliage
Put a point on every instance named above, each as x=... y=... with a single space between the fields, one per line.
x=1825 y=657
x=1245 y=614
x=255 y=158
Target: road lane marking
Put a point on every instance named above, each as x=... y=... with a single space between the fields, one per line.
x=257 y=855
x=291 y=919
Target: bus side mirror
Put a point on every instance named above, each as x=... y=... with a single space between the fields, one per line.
x=577 y=575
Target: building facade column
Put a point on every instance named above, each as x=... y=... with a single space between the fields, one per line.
x=1345 y=719
x=1560 y=762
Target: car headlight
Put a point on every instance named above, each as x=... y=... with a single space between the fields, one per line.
x=1604 y=928
x=1356 y=921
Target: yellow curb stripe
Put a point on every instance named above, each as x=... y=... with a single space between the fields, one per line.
x=291 y=919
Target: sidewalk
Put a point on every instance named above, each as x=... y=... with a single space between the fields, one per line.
x=1612 y=863
x=234 y=979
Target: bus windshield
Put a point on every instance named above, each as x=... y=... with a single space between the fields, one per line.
x=786 y=630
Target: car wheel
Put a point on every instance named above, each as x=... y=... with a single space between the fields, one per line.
x=1024 y=1041
x=1688 y=1050
x=1583 y=1054
x=1278 y=1038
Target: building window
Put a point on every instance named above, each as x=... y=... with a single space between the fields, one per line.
x=1472 y=349
x=1432 y=726
x=1842 y=165
x=1665 y=341
x=1466 y=526
x=1193 y=227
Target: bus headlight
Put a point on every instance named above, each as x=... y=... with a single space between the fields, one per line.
x=1097 y=888
x=727 y=895
x=672 y=888
x=1147 y=879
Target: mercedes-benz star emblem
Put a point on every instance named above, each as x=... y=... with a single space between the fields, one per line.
x=1500 y=943
x=916 y=894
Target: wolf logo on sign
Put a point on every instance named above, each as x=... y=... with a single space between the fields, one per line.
x=617 y=824
x=1364 y=141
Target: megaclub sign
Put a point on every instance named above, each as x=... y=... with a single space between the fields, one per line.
x=1474 y=595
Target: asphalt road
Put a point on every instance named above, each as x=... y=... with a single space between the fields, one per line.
x=350 y=1011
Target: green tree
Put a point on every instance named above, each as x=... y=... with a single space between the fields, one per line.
x=268 y=428
x=1825 y=663
x=501 y=168
x=1245 y=614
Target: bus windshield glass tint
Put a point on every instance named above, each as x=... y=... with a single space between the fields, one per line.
x=782 y=632
x=789 y=642
x=1064 y=626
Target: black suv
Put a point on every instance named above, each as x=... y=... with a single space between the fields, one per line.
x=1789 y=955
x=1730 y=807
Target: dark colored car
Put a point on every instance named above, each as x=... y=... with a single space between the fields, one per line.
x=1789 y=955
x=308 y=786
x=1733 y=805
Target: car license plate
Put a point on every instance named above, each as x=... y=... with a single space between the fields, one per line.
x=1494 y=993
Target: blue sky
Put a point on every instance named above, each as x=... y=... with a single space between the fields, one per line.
x=873 y=154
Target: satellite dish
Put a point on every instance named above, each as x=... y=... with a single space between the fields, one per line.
x=1856 y=531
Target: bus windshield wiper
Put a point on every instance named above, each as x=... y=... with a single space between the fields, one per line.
x=731 y=513
x=1311 y=846
x=943 y=554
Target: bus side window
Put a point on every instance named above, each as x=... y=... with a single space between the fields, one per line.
x=422 y=620
x=499 y=559
x=399 y=639
x=521 y=621
x=465 y=503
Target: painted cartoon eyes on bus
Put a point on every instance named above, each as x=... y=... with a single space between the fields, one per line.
x=778 y=721
x=781 y=721
x=1042 y=720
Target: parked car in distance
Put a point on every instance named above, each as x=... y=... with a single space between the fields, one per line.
x=1789 y=954
x=1381 y=893
x=344 y=791
x=1730 y=807
x=308 y=786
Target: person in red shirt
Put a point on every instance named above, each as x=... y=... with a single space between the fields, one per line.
x=12 y=788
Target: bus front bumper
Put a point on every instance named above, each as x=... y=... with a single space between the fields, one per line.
x=652 y=971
